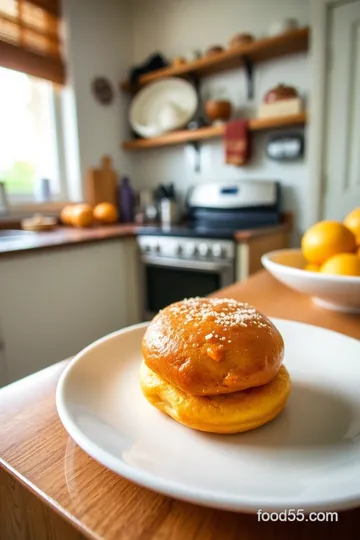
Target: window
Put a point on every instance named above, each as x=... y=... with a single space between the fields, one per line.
x=29 y=136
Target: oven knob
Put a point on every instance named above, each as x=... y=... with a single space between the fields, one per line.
x=217 y=250
x=203 y=250
x=179 y=249
x=146 y=247
x=157 y=248
x=192 y=249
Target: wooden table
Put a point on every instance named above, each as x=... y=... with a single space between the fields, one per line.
x=50 y=489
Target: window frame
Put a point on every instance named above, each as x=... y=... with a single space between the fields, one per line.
x=23 y=202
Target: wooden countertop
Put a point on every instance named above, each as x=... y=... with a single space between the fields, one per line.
x=48 y=483
x=64 y=236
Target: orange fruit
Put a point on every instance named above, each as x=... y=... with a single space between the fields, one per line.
x=106 y=213
x=352 y=222
x=66 y=214
x=342 y=264
x=312 y=267
x=82 y=215
x=358 y=252
x=325 y=239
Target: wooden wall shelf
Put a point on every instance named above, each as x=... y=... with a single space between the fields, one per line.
x=259 y=51
x=211 y=132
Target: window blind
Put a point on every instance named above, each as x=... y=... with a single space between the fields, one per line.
x=30 y=38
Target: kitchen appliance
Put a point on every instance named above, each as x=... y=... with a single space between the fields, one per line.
x=198 y=258
x=285 y=147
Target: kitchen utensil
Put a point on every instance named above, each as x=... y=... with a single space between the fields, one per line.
x=218 y=111
x=163 y=106
x=101 y=183
x=282 y=26
x=307 y=458
x=146 y=211
x=241 y=39
x=168 y=212
x=339 y=293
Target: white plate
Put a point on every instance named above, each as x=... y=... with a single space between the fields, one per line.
x=163 y=106
x=339 y=293
x=308 y=457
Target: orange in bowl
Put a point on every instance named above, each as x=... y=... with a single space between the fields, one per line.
x=312 y=267
x=106 y=213
x=343 y=264
x=325 y=239
x=352 y=222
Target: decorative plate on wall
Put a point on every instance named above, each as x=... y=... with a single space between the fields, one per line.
x=163 y=106
x=102 y=90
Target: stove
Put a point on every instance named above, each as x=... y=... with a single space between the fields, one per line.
x=199 y=258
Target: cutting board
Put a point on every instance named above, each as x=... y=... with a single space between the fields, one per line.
x=101 y=183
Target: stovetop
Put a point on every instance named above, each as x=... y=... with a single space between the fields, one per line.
x=186 y=232
x=189 y=231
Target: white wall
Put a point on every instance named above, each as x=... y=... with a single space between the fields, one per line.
x=98 y=42
x=176 y=26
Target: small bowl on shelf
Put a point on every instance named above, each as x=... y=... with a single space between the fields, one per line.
x=214 y=50
x=335 y=292
x=240 y=40
x=218 y=110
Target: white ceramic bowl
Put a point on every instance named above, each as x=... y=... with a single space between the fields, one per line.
x=340 y=293
x=163 y=106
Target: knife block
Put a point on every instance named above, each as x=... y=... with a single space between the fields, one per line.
x=101 y=183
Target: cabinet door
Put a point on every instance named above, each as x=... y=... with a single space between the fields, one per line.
x=3 y=370
x=56 y=302
x=342 y=155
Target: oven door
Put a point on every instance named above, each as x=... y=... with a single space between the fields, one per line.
x=168 y=280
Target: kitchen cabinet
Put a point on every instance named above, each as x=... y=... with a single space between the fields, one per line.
x=3 y=369
x=55 y=302
x=249 y=250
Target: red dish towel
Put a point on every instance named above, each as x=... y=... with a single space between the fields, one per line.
x=237 y=142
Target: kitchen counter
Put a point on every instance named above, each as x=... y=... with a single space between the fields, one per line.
x=64 y=236
x=48 y=484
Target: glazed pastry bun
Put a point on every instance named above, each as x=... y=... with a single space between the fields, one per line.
x=210 y=346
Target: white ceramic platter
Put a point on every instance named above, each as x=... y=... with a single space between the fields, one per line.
x=163 y=106
x=307 y=458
